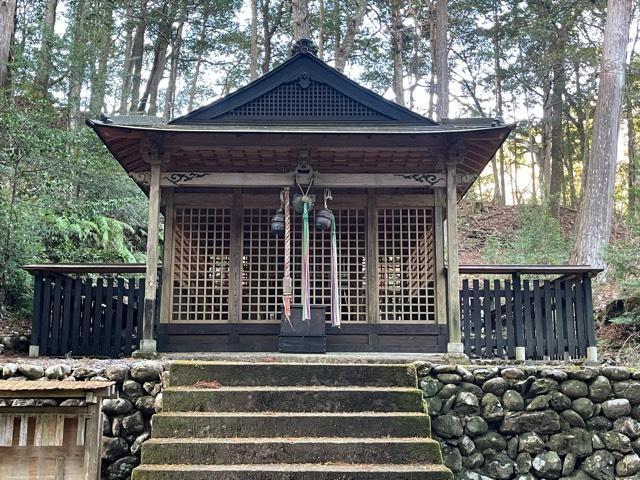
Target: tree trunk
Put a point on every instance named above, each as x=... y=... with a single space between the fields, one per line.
x=7 y=26
x=571 y=180
x=137 y=54
x=300 y=19
x=170 y=97
x=127 y=64
x=99 y=78
x=534 y=188
x=196 y=71
x=44 y=66
x=253 y=62
x=321 y=29
x=396 y=52
x=633 y=180
x=500 y=194
x=432 y=74
x=344 y=45
x=557 y=105
x=497 y=192
x=269 y=28
x=545 y=152
x=11 y=214
x=594 y=219
x=78 y=62
x=441 y=63
x=149 y=99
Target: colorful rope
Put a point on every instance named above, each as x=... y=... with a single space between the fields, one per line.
x=335 y=281
x=287 y=283
x=306 y=277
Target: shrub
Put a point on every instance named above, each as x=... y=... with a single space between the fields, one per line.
x=537 y=240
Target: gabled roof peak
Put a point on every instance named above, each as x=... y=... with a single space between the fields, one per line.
x=303 y=89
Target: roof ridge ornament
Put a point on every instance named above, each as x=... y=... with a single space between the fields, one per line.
x=305 y=46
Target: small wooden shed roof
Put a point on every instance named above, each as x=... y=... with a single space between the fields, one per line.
x=55 y=388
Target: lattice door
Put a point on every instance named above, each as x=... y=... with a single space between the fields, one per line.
x=262 y=268
x=201 y=264
x=263 y=265
x=406 y=271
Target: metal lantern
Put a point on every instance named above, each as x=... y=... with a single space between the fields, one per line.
x=277 y=223
x=324 y=219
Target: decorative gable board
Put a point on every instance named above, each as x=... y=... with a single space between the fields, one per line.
x=303 y=89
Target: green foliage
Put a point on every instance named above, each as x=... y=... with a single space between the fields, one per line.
x=62 y=198
x=537 y=240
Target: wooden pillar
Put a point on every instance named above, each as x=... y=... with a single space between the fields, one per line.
x=373 y=313
x=235 y=257
x=166 y=299
x=92 y=440
x=440 y=272
x=453 y=276
x=147 y=342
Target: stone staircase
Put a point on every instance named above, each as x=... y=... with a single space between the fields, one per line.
x=291 y=421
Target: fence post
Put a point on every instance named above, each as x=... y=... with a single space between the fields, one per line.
x=517 y=316
x=36 y=315
x=592 y=349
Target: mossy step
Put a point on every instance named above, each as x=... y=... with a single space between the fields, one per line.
x=325 y=471
x=217 y=451
x=187 y=373
x=290 y=424
x=292 y=399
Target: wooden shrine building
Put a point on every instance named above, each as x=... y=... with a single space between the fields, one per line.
x=217 y=173
x=388 y=268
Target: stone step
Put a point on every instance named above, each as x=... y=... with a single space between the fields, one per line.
x=187 y=373
x=216 y=451
x=290 y=424
x=292 y=399
x=339 y=471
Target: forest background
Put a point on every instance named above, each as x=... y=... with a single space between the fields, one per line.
x=535 y=62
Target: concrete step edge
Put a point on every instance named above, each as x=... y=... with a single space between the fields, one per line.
x=291 y=440
x=345 y=415
x=301 y=364
x=294 y=467
x=311 y=388
x=274 y=373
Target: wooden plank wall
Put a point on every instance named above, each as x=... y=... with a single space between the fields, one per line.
x=42 y=446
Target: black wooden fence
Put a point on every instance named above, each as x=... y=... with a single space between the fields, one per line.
x=549 y=318
x=97 y=314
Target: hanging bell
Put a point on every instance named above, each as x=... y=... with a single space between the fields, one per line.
x=277 y=223
x=300 y=200
x=324 y=219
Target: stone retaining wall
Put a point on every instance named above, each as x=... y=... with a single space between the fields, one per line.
x=127 y=419
x=494 y=422
x=535 y=422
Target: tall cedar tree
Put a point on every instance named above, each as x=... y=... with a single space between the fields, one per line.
x=441 y=63
x=594 y=219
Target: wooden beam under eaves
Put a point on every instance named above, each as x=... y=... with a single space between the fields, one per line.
x=368 y=180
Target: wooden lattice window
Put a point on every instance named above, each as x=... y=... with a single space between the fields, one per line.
x=406 y=273
x=262 y=268
x=263 y=265
x=201 y=264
